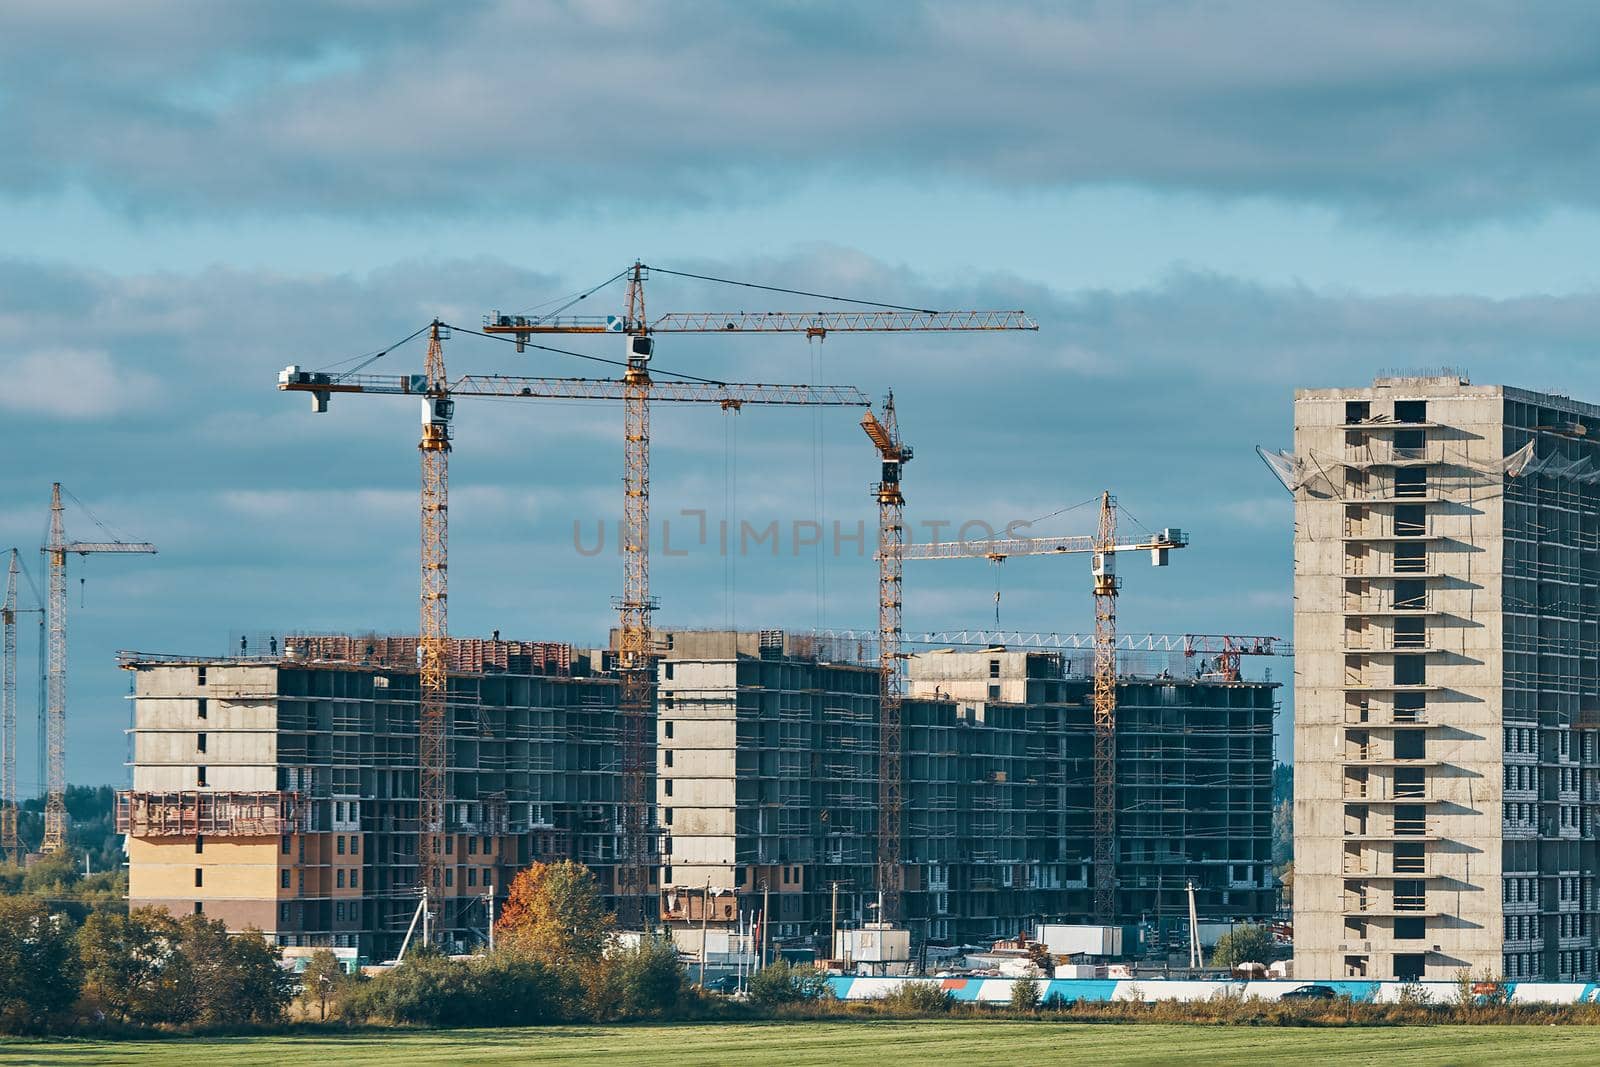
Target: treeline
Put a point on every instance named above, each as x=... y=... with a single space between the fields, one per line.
x=555 y=960
x=142 y=969
x=91 y=825
x=89 y=874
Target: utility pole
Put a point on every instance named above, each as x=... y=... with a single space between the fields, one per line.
x=1196 y=959
x=488 y=898
x=427 y=917
x=833 y=933
x=766 y=919
x=705 y=911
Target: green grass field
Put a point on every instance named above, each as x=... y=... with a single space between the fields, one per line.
x=843 y=1044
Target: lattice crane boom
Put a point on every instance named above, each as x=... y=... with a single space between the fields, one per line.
x=56 y=553
x=813 y=324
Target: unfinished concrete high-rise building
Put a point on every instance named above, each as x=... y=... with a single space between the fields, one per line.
x=1447 y=693
x=280 y=790
x=768 y=781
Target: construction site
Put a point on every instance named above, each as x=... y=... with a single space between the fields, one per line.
x=826 y=789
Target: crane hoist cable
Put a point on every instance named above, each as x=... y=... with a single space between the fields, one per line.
x=575 y=298
x=791 y=292
x=654 y=371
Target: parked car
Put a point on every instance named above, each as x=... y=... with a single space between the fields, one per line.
x=728 y=983
x=1310 y=992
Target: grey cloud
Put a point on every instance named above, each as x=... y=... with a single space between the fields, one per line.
x=1420 y=112
x=269 y=516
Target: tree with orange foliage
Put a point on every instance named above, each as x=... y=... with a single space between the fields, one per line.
x=554 y=913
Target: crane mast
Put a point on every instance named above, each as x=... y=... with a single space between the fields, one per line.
x=56 y=552
x=433 y=665
x=55 y=809
x=1105 y=711
x=894 y=455
x=10 y=844
x=635 y=645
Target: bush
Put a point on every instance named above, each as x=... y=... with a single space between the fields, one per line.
x=1024 y=995
x=428 y=989
x=919 y=998
x=652 y=978
x=783 y=983
x=505 y=988
x=514 y=989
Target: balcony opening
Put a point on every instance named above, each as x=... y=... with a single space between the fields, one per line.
x=1357 y=410
x=1410 y=782
x=1410 y=744
x=1410 y=520
x=1410 y=411
x=1411 y=481
x=1410 y=820
x=1410 y=632
x=1410 y=594
x=1410 y=895
x=1410 y=670
x=1408 y=444
x=1410 y=966
x=1409 y=857
x=1410 y=558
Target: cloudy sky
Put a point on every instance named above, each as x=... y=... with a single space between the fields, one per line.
x=1203 y=205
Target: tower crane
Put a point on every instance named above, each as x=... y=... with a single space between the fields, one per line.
x=56 y=553
x=438 y=394
x=1103 y=548
x=635 y=649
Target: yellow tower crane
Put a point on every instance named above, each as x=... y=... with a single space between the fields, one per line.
x=56 y=553
x=1103 y=548
x=635 y=645
x=438 y=394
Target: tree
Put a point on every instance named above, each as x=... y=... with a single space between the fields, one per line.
x=54 y=875
x=1244 y=944
x=554 y=913
x=322 y=979
x=134 y=966
x=40 y=973
x=238 y=977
